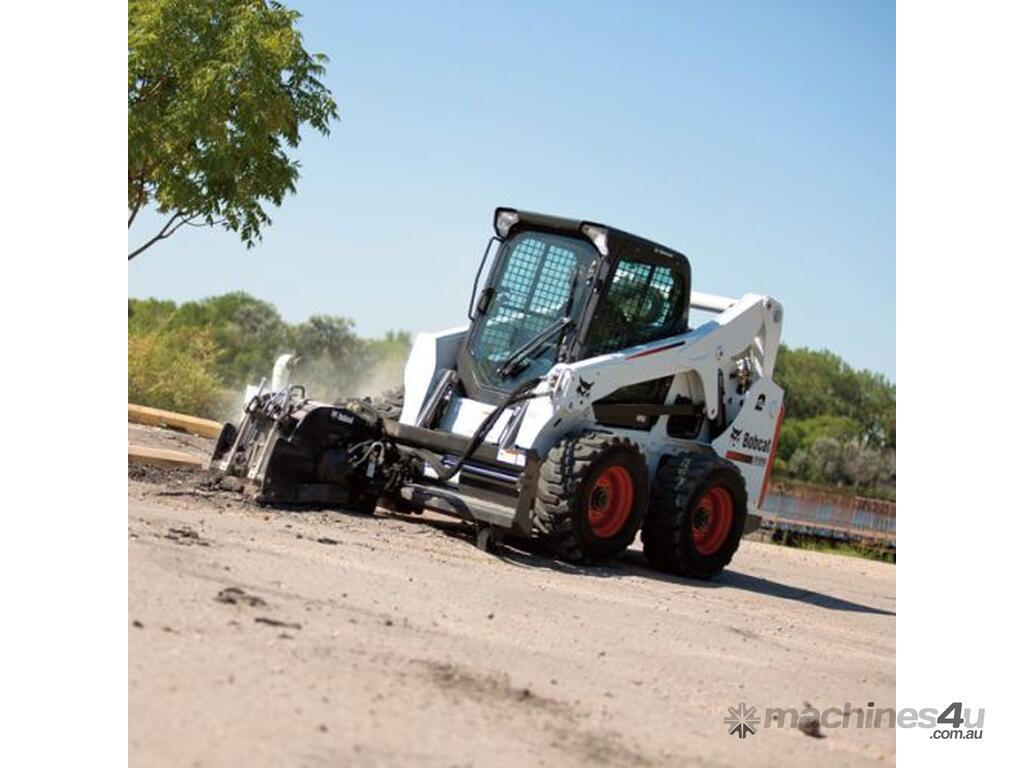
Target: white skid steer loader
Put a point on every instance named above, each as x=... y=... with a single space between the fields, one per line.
x=578 y=406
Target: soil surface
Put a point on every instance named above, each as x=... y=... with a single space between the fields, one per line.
x=157 y=437
x=263 y=637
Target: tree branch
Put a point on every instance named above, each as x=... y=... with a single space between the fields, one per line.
x=152 y=90
x=137 y=206
x=166 y=231
x=183 y=221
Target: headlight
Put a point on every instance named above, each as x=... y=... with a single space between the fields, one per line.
x=598 y=236
x=504 y=220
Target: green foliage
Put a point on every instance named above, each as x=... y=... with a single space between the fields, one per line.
x=332 y=357
x=852 y=548
x=840 y=427
x=796 y=433
x=217 y=93
x=149 y=314
x=394 y=343
x=329 y=338
x=820 y=383
x=830 y=461
x=222 y=343
x=249 y=332
x=173 y=369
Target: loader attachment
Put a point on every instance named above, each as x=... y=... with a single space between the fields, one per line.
x=290 y=450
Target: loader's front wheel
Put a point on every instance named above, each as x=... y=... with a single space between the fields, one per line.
x=698 y=510
x=591 y=496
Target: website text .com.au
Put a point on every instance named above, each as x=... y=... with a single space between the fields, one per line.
x=955 y=721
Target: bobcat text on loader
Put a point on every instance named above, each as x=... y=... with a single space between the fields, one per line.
x=578 y=406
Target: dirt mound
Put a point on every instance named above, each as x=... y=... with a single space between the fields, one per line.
x=168 y=476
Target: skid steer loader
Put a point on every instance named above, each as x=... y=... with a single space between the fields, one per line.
x=578 y=406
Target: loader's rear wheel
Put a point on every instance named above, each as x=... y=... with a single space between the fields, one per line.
x=698 y=510
x=591 y=496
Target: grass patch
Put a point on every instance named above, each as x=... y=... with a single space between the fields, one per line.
x=831 y=546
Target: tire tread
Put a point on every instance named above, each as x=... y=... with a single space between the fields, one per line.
x=678 y=480
x=561 y=477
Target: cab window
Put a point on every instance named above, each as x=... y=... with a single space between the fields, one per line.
x=643 y=302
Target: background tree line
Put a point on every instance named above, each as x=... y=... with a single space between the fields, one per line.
x=197 y=357
x=840 y=427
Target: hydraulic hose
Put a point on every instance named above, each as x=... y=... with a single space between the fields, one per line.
x=519 y=394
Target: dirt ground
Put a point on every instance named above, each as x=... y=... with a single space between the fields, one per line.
x=155 y=437
x=262 y=637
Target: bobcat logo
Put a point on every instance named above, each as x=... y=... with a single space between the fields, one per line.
x=583 y=388
x=735 y=434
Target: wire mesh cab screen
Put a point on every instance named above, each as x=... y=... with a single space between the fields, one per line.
x=531 y=288
x=643 y=302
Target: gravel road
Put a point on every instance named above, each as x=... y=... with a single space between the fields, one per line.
x=261 y=637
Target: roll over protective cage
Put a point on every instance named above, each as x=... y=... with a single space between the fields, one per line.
x=612 y=246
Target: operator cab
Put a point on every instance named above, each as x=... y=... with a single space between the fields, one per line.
x=562 y=290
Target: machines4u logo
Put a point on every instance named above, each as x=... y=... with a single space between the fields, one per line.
x=742 y=721
x=954 y=722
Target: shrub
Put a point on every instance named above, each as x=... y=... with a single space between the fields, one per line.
x=854 y=464
x=174 y=369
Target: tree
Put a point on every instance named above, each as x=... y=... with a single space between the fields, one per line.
x=393 y=348
x=149 y=314
x=248 y=333
x=332 y=338
x=332 y=357
x=801 y=433
x=819 y=383
x=217 y=93
x=174 y=369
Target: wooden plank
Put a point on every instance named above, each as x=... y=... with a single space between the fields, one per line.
x=155 y=417
x=162 y=457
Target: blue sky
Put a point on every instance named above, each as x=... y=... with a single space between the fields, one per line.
x=756 y=137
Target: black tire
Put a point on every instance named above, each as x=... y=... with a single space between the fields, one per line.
x=389 y=404
x=578 y=473
x=365 y=503
x=684 y=487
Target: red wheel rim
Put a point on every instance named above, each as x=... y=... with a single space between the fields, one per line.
x=610 y=502
x=712 y=520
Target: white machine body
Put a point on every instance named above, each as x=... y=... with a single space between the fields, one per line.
x=724 y=365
